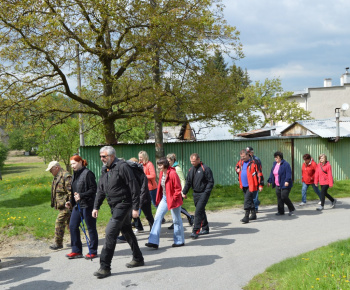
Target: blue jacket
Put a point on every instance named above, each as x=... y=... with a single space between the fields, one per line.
x=284 y=175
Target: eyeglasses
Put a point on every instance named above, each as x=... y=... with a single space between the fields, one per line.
x=103 y=156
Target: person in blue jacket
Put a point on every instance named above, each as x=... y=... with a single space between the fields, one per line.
x=281 y=178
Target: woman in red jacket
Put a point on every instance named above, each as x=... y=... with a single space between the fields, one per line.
x=324 y=176
x=168 y=198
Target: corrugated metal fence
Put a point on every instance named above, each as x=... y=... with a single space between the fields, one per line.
x=222 y=156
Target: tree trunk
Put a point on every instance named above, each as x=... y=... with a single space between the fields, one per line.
x=109 y=132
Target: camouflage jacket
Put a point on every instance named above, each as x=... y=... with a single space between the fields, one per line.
x=61 y=189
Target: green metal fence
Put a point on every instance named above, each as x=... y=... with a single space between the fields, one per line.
x=222 y=156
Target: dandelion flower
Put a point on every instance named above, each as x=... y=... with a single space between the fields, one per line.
x=317 y=279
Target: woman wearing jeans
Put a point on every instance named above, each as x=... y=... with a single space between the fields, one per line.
x=281 y=178
x=168 y=198
x=324 y=176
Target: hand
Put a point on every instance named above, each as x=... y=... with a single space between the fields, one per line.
x=260 y=189
x=184 y=195
x=135 y=213
x=286 y=184
x=268 y=185
x=68 y=205
x=76 y=196
x=95 y=213
x=238 y=170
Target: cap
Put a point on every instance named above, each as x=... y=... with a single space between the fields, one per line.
x=52 y=164
x=249 y=149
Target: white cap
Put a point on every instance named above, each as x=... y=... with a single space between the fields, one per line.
x=52 y=164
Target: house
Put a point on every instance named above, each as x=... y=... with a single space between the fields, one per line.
x=324 y=128
x=323 y=101
x=263 y=132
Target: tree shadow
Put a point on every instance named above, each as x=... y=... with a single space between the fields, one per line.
x=30 y=198
x=35 y=285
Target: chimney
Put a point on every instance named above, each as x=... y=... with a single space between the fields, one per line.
x=345 y=78
x=327 y=83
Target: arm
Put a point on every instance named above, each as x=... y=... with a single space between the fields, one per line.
x=150 y=173
x=209 y=176
x=100 y=195
x=128 y=176
x=181 y=176
x=288 y=179
x=177 y=186
x=316 y=178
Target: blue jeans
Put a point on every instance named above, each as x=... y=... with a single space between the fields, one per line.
x=256 y=199
x=304 y=189
x=162 y=209
x=153 y=194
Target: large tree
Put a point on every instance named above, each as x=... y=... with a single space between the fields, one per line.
x=119 y=42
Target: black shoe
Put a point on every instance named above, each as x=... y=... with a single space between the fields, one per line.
x=203 y=232
x=134 y=264
x=194 y=236
x=150 y=245
x=102 y=273
x=163 y=221
x=190 y=220
x=252 y=215
x=278 y=213
x=171 y=227
x=177 y=245
x=245 y=220
x=56 y=247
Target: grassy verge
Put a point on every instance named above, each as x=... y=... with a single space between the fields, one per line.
x=25 y=195
x=323 y=268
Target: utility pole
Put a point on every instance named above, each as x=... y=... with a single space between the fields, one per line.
x=81 y=122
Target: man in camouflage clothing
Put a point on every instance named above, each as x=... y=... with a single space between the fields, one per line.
x=60 y=195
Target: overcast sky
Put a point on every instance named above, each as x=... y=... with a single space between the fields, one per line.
x=301 y=42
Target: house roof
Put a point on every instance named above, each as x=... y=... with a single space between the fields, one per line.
x=276 y=130
x=325 y=128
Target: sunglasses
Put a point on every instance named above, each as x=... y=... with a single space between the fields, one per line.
x=103 y=156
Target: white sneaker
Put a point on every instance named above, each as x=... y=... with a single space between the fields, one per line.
x=319 y=208
x=319 y=203
x=333 y=203
x=302 y=203
x=136 y=231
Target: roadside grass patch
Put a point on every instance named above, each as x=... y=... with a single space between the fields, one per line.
x=324 y=268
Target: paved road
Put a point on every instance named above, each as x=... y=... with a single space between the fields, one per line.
x=228 y=258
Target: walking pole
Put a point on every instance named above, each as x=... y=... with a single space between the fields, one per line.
x=83 y=229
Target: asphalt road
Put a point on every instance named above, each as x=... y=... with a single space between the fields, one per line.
x=227 y=258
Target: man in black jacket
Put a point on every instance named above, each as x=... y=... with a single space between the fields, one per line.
x=121 y=189
x=200 y=178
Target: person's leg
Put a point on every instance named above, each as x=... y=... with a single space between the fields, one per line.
x=91 y=226
x=60 y=225
x=147 y=210
x=323 y=193
x=256 y=199
x=303 y=192
x=185 y=212
x=328 y=195
x=138 y=224
x=316 y=190
x=119 y=214
x=179 y=236
x=131 y=239
x=75 y=232
x=200 y=220
x=280 y=205
x=162 y=209
x=153 y=194
x=285 y=198
x=248 y=200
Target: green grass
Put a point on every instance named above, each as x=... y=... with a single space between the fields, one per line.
x=323 y=268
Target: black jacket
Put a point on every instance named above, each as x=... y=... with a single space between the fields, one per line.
x=200 y=178
x=118 y=184
x=84 y=183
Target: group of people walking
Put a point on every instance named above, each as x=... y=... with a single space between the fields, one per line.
x=127 y=192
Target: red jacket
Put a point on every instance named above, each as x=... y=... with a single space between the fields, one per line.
x=308 y=172
x=173 y=189
x=323 y=174
x=150 y=172
x=255 y=177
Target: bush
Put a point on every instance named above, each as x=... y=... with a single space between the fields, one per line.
x=3 y=154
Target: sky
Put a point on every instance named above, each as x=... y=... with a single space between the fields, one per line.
x=300 y=42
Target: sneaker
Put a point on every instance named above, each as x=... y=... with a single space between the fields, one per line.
x=333 y=203
x=177 y=245
x=319 y=208
x=203 y=232
x=121 y=239
x=302 y=203
x=171 y=227
x=102 y=273
x=56 y=247
x=74 y=255
x=191 y=220
x=92 y=256
x=278 y=213
x=291 y=213
x=319 y=203
x=134 y=264
x=194 y=236
x=137 y=231
x=150 y=245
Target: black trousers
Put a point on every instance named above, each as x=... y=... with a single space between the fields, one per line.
x=283 y=199
x=120 y=221
x=248 y=199
x=200 y=217
x=325 y=194
x=147 y=210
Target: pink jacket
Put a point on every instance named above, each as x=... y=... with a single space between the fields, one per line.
x=324 y=177
x=150 y=172
x=173 y=189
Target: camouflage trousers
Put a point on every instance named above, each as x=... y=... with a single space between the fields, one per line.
x=62 y=221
